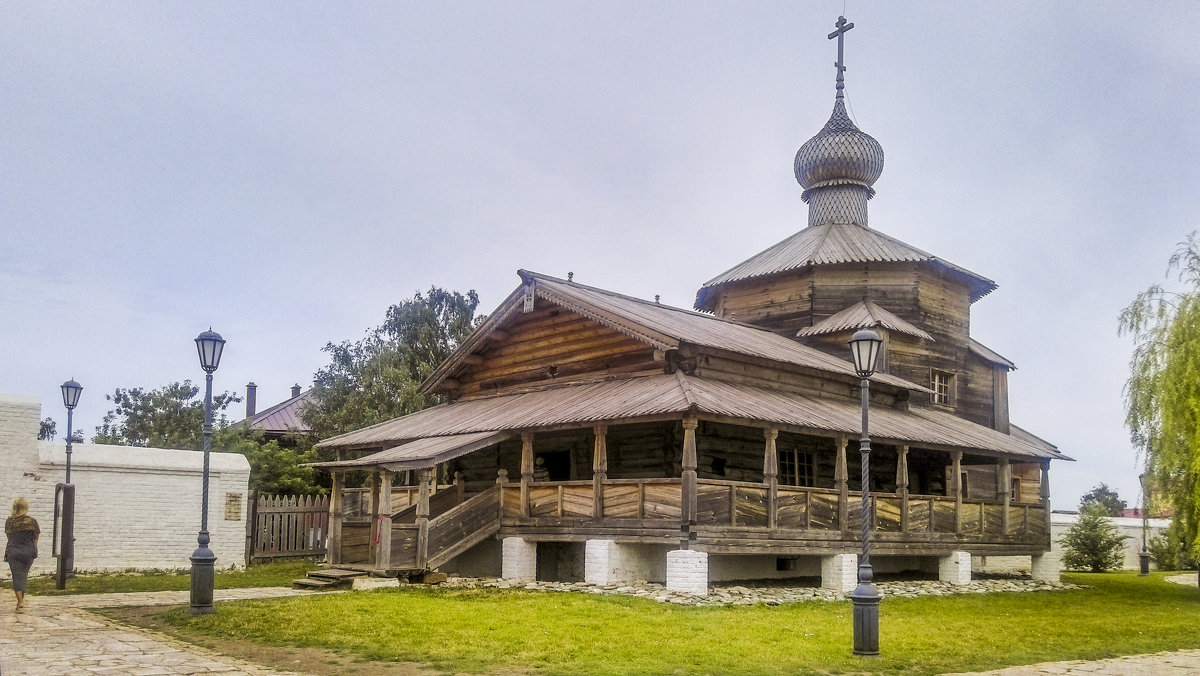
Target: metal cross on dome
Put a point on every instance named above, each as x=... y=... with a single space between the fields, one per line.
x=842 y=27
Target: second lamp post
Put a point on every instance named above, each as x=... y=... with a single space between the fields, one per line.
x=209 y=345
x=864 y=346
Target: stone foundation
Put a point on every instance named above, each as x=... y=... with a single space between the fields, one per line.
x=839 y=572
x=956 y=568
x=687 y=572
x=519 y=560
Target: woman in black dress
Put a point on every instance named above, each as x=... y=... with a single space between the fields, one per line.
x=22 y=531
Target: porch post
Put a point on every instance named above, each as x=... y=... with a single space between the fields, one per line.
x=599 y=470
x=373 y=507
x=1004 y=487
x=333 y=547
x=688 y=511
x=902 y=485
x=839 y=478
x=956 y=483
x=771 y=475
x=1044 y=492
x=526 y=470
x=424 y=478
x=383 y=559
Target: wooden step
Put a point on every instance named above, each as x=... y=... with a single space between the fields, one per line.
x=316 y=583
x=337 y=574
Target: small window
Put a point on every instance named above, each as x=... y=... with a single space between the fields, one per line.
x=942 y=384
x=795 y=468
x=233 y=506
x=1015 y=489
x=962 y=482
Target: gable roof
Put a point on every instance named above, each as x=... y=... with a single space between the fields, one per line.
x=662 y=326
x=832 y=244
x=281 y=418
x=864 y=314
x=669 y=396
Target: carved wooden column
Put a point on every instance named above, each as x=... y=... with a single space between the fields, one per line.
x=424 y=479
x=770 y=476
x=1044 y=492
x=333 y=552
x=956 y=484
x=526 y=470
x=1004 y=487
x=383 y=557
x=373 y=508
x=599 y=469
x=688 y=511
x=839 y=479
x=902 y=485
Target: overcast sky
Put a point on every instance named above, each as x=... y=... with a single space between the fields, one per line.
x=284 y=172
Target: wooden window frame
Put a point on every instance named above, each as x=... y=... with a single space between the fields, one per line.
x=796 y=468
x=1014 y=487
x=948 y=383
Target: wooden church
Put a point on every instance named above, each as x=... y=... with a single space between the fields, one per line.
x=591 y=435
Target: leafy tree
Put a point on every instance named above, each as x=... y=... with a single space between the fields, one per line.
x=1104 y=497
x=1164 y=385
x=275 y=467
x=168 y=417
x=1093 y=543
x=1169 y=552
x=173 y=417
x=376 y=378
x=47 y=430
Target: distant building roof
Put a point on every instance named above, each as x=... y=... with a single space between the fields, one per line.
x=282 y=418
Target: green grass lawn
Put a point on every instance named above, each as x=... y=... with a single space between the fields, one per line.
x=264 y=575
x=574 y=633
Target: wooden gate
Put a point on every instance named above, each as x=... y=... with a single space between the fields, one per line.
x=286 y=526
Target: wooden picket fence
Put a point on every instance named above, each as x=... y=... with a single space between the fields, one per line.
x=286 y=526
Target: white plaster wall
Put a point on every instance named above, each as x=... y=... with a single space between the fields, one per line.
x=134 y=507
x=1059 y=523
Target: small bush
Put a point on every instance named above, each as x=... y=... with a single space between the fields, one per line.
x=1168 y=551
x=1093 y=543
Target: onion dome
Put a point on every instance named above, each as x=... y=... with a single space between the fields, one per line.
x=839 y=155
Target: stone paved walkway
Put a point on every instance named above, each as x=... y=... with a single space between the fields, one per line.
x=1181 y=663
x=56 y=636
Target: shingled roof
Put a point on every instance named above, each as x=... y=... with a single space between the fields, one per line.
x=833 y=244
x=662 y=326
x=864 y=314
x=471 y=421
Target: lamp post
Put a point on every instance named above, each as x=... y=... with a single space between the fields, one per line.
x=64 y=496
x=209 y=346
x=1144 y=555
x=70 y=395
x=864 y=346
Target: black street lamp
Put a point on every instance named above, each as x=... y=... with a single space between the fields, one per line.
x=864 y=345
x=70 y=395
x=209 y=345
x=64 y=496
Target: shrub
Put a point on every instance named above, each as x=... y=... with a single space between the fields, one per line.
x=1168 y=551
x=1093 y=543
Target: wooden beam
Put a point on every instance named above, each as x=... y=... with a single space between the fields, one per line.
x=373 y=508
x=599 y=469
x=1004 y=487
x=1044 y=492
x=424 y=488
x=956 y=484
x=902 y=485
x=473 y=359
x=334 y=553
x=771 y=475
x=688 y=511
x=383 y=556
x=526 y=470
x=839 y=479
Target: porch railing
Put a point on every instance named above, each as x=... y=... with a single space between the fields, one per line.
x=745 y=505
